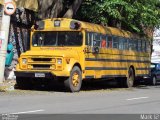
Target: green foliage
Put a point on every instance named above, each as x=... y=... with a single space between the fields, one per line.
x=133 y=15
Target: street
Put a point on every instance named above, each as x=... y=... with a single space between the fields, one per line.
x=110 y=100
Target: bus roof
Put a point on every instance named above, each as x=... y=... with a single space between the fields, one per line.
x=65 y=24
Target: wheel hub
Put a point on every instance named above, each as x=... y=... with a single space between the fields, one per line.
x=75 y=79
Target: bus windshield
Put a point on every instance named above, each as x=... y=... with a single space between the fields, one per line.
x=52 y=38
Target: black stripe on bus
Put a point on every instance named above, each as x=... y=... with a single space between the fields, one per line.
x=104 y=68
x=112 y=76
x=89 y=77
x=143 y=69
x=113 y=60
x=105 y=76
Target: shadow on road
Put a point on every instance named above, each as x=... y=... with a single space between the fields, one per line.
x=86 y=86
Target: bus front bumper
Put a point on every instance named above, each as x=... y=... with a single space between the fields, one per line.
x=34 y=74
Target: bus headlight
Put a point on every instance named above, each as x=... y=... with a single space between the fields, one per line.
x=59 y=61
x=24 y=61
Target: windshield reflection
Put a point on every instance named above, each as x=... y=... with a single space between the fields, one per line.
x=51 y=38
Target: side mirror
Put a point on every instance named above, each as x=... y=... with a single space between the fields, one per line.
x=95 y=50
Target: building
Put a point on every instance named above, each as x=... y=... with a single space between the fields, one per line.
x=20 y=26
x=155 y=58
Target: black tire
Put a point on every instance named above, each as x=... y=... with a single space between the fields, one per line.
x=129 y=81
x=23 y=83
x=74 y=84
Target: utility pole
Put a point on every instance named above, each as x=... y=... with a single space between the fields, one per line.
x=5 y=24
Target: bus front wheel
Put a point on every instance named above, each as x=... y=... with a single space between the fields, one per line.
x=74 y=82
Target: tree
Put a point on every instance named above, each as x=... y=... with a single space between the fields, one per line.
x=138 y=16
x=133 y=15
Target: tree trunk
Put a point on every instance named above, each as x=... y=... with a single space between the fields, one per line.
x=53 y=8
x=73 y=9
x=56 y=10
x=49 y=8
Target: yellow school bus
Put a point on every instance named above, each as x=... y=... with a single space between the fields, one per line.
x=72 y=51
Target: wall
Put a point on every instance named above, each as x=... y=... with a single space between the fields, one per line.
x=21 y=23
x=156 y=47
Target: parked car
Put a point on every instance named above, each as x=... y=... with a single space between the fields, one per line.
x=155 y=73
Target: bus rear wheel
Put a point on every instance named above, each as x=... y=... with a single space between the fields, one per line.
x=130 y=78
x=74 y=82
x=129 y=81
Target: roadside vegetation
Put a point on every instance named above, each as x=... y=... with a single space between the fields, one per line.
x=138 y=16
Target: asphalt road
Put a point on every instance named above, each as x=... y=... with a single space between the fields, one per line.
x=111 y=100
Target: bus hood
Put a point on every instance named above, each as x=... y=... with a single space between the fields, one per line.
x=54 y=53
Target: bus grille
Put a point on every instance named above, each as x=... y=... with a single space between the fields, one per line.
x=42 y=59
x=42 y=63
x=41 y=67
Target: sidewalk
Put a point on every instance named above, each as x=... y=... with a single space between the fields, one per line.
x=7 y=85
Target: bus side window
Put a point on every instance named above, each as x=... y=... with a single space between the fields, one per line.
x=125 y=44
x=89 y=38
x=103 y=42
x=132 y=44
x=115 y=42
x=106 y=41
x=121 y=43
x=97 y=40
x=139 y=45
x=136 y=45
x=148 y=47
x=143 y=45
x=109 y=42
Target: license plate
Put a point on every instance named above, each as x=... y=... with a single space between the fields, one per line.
x=40 y=75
